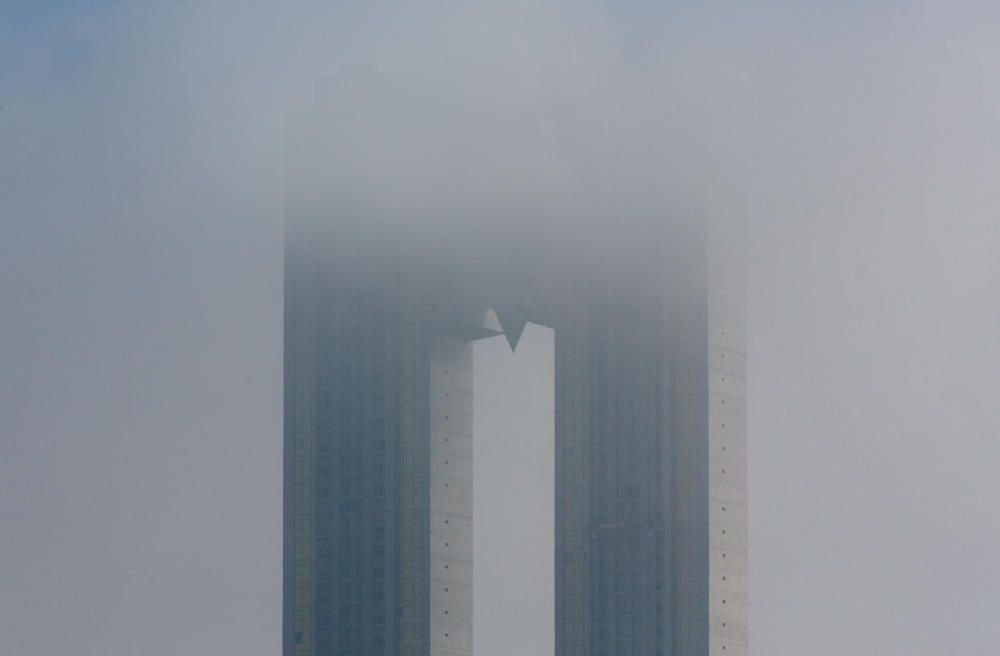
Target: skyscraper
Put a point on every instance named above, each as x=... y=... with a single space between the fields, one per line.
x=649 y=439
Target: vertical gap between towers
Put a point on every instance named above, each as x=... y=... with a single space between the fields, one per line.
x=514 y=428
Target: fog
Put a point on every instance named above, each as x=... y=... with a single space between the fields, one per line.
x=142 y=196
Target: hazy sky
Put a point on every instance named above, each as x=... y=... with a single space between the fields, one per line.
x=141 y=178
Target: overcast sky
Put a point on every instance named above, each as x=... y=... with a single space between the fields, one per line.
x=141 y=178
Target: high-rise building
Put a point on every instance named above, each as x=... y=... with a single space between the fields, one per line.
x=650 y=406
x=650 y=458
x=385 y=293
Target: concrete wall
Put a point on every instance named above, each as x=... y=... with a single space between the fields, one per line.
x=450 y=518
x=727 y=409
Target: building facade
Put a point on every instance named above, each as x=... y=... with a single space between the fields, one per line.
x=650 y=452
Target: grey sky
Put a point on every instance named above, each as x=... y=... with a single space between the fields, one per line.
x=140 y=296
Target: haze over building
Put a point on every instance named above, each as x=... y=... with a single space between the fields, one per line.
x=650 y=404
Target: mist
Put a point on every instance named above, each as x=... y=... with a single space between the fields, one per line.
x=143 y=181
